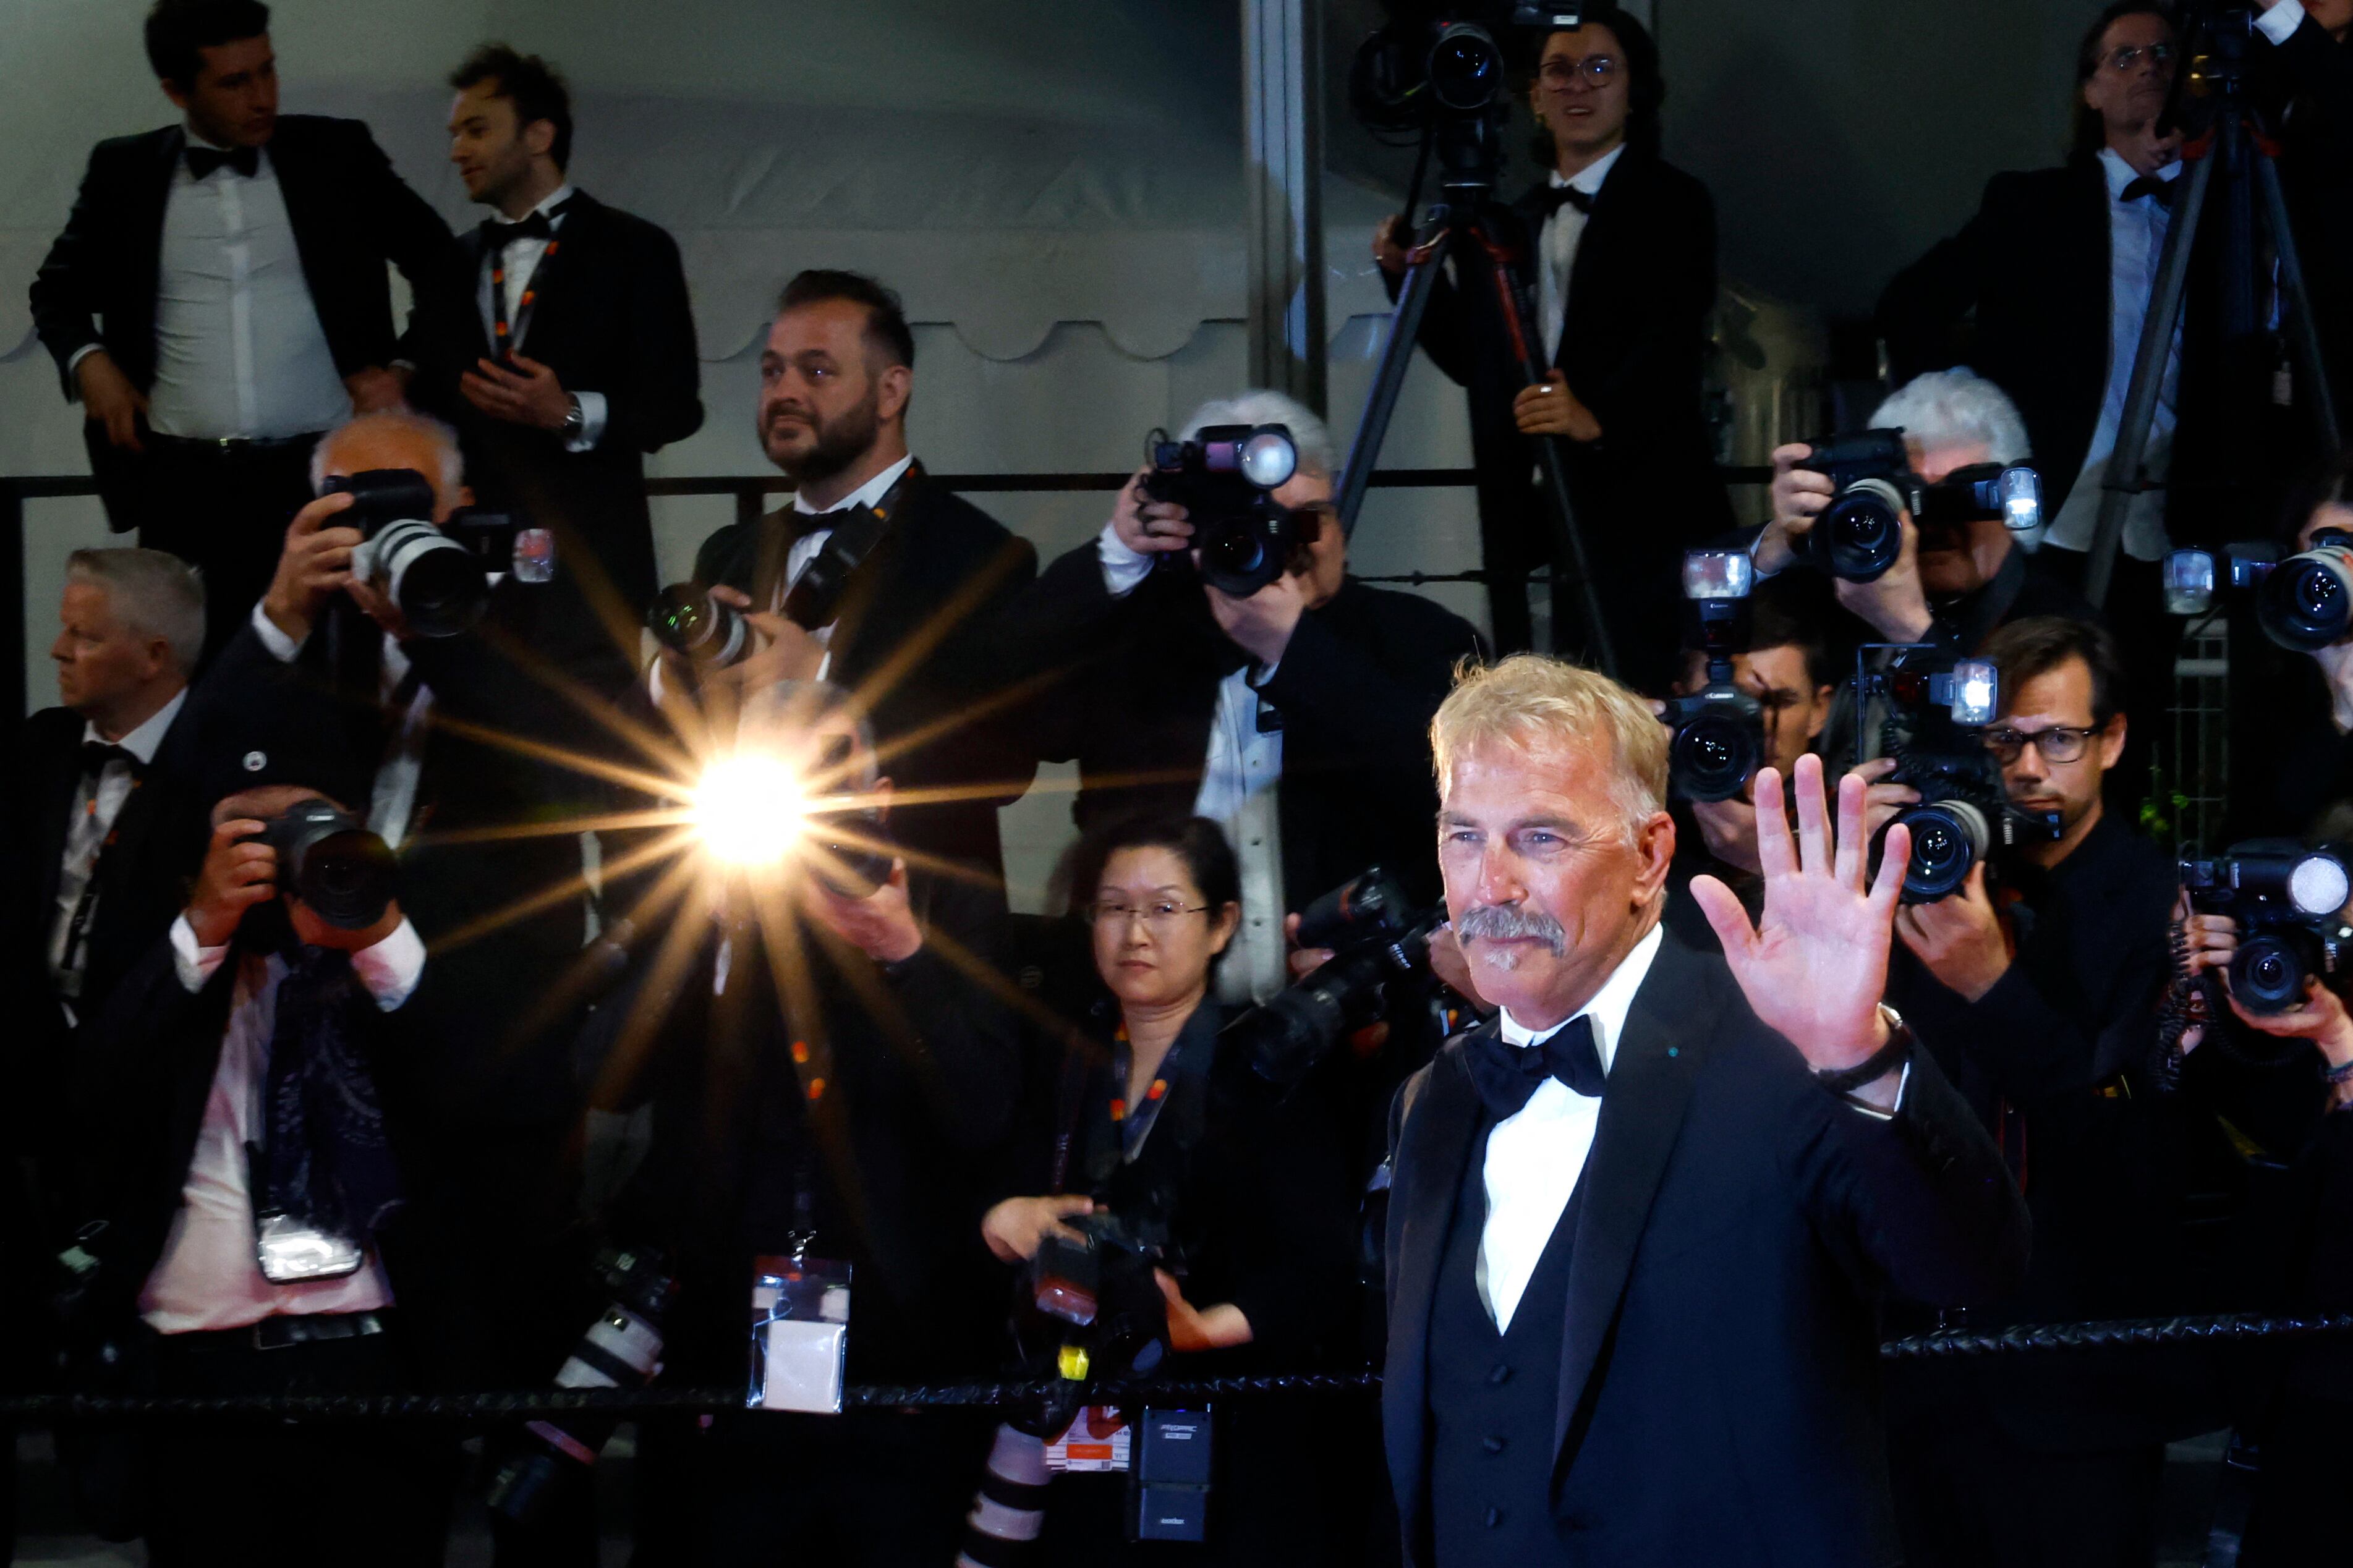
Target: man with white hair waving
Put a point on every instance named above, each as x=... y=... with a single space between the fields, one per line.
x=1640 y=1222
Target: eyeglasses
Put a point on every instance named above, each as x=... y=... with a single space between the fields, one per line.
x=2129 y=56
x=1159 y=916
x=1596 y=68
x=2059 y=743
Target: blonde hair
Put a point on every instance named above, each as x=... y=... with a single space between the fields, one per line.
x=1534 y=704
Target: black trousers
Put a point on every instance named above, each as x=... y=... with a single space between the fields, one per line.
x=223 y=509
x=1969 y=1496
x=265 y=1493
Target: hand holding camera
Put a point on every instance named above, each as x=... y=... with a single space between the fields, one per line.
x=240 y=871
x=881 y=923
x=1147 y=526
x=314 y=566
x=1958 y=937
x=337 y=878
x=1390 y=243
x=1017 y=1227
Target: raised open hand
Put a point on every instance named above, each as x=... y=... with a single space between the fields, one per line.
x=1815 y=967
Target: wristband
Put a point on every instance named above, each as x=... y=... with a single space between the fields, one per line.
x=1844 y=1081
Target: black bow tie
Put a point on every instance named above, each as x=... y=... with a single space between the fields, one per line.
x=203 y=160
x=538 y=226
x=96 y=754
x=1506 y=1074
x=1556 y=197
x=2143 y=185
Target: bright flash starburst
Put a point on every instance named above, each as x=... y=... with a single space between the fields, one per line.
x=749 y=809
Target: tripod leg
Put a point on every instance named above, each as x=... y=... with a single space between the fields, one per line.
x=2157 y=329
x=1389 y=379
x=2303 y=331
x=1568 y=540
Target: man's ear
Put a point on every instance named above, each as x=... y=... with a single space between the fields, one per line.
x=880 y=795
x=176 y=93
x=1824 y=697
x=894 y=386
x=1654 y=841
x=2112 y=740
x=539 y=138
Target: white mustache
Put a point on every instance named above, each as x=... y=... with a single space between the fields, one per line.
x=1509 y=922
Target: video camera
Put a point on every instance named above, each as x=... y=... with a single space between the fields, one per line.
x=1859 y=535
x=329 y=860
x=437 y=576
x=2304 y=603
x=1103 y=1286
x=1432 y=61
x=1225 y=478
x=2288 y=903
x=1937 y=710
x=1719 y=730
x=1378 y=935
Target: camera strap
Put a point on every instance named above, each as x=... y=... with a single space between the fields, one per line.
x=1135 y=1123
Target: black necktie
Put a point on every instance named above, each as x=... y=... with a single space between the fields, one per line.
x=1505 y=1074
x=1559 y=196
x=96 y=754
x=2143 y=185
x=204 y=161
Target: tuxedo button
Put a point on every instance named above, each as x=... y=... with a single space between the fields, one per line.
x=1492 y=1443
x=1501 y=1376
x=1495 y=1517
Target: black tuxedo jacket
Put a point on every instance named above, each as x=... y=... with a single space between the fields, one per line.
x=920 y=636
x=611 y=317
x=1633 y=346
x=1356 y=689
x=1719 y=1363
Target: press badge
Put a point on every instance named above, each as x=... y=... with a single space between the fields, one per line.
x=1096 y=1440
x=800 y=1332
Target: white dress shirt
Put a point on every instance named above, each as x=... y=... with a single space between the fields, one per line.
x=239 y=353
x=2136 y=232
x=391 y=797
x=522 y=261
x=1556 y=247
x=208 y=1278
x=2280 y=20
x=98 y=802
x=1535 y=1156
x=1242 y=782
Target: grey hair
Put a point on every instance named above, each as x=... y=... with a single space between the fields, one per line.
x=444 y=440
x=153 y=593
x=1309 y=434
x=1956 y=407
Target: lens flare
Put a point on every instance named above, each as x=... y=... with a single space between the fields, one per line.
x=749 y=810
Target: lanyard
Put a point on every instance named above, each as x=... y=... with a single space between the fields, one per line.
x=1134 y=1123
x=505 y=339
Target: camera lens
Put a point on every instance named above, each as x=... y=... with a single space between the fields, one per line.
x=2308 y=602
x=1466 y=70
x=1861 y=531
x=435 y=581
x=687 y=620
x=345 y=879
x=1947 y=838
x=1711 y=758
x=2267 y=976
x=1240 y=555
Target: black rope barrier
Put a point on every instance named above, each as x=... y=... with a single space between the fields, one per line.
x=523 y=1404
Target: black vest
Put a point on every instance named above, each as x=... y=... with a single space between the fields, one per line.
x=1493 y=1397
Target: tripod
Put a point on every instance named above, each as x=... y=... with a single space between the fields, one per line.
x=2234 y=140
x=1463 y=221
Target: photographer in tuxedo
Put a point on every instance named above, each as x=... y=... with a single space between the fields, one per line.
x=919 y=631
x=557 y=338
x=1640 y=1222
x=1620 y=252
x=218 y=298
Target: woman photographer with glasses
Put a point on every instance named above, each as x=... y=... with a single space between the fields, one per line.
x=1212 y=1215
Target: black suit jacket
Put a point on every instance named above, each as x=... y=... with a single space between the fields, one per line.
x=1633 y=347
x=350 y=212
x=1718 y=1374
x=1356 y=689
x=2033 y=266
x=921 y=635
x=611 y=317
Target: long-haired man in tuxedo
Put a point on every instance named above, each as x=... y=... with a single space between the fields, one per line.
x=1620 y=256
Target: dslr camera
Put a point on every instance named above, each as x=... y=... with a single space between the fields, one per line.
x=1937 y=712
x=1719 y=729
x=1101 y=1290
x=2304 y=603
x=1378 y=935
x=327 y=858
x=1225 y=478
x=438 y=576
x=1859 y=535
x=2288 y=901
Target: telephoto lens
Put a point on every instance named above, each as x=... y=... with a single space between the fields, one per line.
x=437 y=582
x=1713 y=754
x=2306 y=603
x=1858 y=536
x=329 y=860
x=687 y=620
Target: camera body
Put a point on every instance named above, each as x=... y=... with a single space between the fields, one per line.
x=1225 y=478
x=1100 y=1290
x=2304 y=603
x=1378 y=935
x=1859 y=534
x=2288 y=901
x=327 y=858
x=1937 y=712
x=686 y=619
x=1719 y=729
x=437 y=576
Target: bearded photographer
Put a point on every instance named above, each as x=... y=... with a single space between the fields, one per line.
x=1618 y=250
x=915 y=625
x=831 y=1072
x=249 y=1106
x=1158 y=1125
x=1295 y=718
x=2037 y=984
